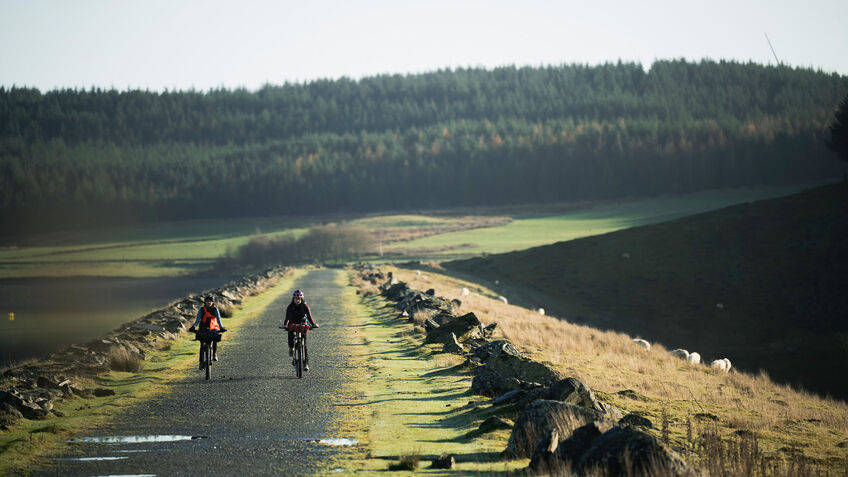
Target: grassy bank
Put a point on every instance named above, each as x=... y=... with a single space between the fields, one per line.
x=790 y=426
x=27 y=443
x=760 y=283
x=406 y=402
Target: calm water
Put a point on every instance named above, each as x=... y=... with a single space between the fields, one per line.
x=54 y=312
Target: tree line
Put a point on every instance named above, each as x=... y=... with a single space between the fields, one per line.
x=459 y=137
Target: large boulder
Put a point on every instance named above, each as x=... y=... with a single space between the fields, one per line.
x=629 y=451
x=396 y=291
x=543 y=460
x=522 y=368
x=463 y=327
x=542 y=416
x=571 y=450
x=453 y=346
x=574 y=391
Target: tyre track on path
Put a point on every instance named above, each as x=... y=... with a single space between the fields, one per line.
x=254 y=415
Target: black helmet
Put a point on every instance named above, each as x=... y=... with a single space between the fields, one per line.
x=209 y=298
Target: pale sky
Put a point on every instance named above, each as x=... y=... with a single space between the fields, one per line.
x=172 y=44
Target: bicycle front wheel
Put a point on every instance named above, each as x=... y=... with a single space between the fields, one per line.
x=208 y=361
x=299 y=351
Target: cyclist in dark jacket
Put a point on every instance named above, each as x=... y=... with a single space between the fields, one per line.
x=298 y=312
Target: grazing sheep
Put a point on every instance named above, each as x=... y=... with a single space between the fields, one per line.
x=625 y=255
x=720 y=306
x=642 y=343
x=503 y=299
x=721 y=364
x=694 y=358
x=680 y=353
x=418 y=272
x=540 y=311
x=465 y=292
x=497 y=282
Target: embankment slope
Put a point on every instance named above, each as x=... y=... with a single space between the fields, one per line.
x=761 y=283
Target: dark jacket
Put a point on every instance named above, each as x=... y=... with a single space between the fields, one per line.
x=299 y=314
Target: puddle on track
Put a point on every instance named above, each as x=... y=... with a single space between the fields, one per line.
x=132 y=439
x=92 y=459
x=343 y=441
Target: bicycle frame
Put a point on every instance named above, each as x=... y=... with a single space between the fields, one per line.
x=300 y=353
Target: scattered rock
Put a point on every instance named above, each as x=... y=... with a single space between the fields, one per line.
x=631 y=394
x=706 y=416
x=634 y=419
x=494 y=423
x=431 y=292
x=444 y=461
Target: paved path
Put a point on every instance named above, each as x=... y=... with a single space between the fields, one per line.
x=254 y=415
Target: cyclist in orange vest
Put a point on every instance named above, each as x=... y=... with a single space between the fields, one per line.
x=209 y=318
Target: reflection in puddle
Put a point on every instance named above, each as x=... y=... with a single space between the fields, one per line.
x=338 y=441
x=92 y=459
x=133 y=439
x=128 y=451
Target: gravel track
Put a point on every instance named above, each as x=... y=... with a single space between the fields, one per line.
x=253 y=417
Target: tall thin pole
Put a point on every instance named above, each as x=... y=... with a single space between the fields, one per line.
x=772 y=51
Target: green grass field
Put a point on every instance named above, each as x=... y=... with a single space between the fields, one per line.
x=176 y=249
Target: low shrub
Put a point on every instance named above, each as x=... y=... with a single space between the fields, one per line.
x=122 y=360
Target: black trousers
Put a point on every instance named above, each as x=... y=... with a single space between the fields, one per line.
x=305 y=349
x=214 y=349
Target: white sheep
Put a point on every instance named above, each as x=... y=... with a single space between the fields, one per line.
x=680 y=353
x=418 y=272
x=694 y=358
x=721 y=364
x=642 y=343
x=497 y=282
x=625 y=255
x=503 y=299
x=465 y=292
x=540 y=311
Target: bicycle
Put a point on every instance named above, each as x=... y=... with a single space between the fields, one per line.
x=300 y=354
x=206 y=338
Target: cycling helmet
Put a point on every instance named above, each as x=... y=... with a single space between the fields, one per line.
x=297 y=293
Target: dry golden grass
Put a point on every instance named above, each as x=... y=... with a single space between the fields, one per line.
x=782 y=418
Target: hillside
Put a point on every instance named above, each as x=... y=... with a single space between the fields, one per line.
x=465 y=137
x=761 y=283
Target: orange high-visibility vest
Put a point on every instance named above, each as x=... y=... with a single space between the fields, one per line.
x=208 y=320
